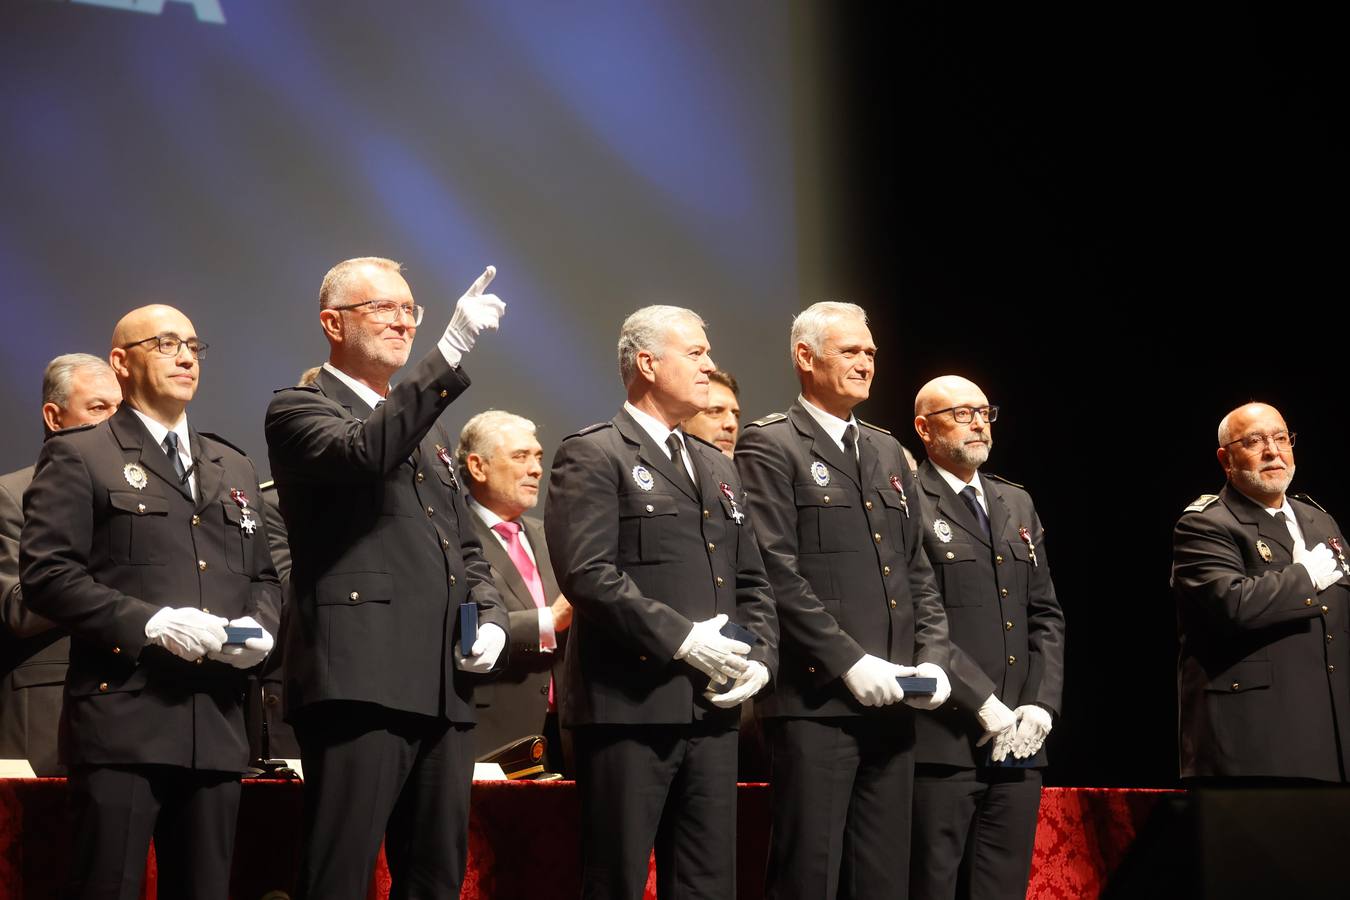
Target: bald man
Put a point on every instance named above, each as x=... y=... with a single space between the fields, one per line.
x=1260 y=577
x=977 y=778
x=143 y=540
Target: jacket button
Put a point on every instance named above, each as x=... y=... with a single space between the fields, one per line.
x=651 y=508
x=1331 y=668
x=1008 y=626
x=811 y=669
x=421 y=478
x=544 y=690
x=827 y=498
x=445 y=545
x=354 y=595
x=1330 y=637
x=877 y=537
x=444 y=394
x=196 y=520
x=200 y=660
x=892 y=603
x=1307 y=601
x=951 y=555
x=711 y=546
x=103 y=686
x=999 y=559
x=117 y=650
x=205 y=610
x=140 y=507
x=431 y=510
x=643 y=658
x=1012 y=660
x=271 y=699
x=201 y=565
x=867 y=503
x=1325 y=610
x=452 y=581
x=1235 y=686
x=721 y=582
x=885 y=570
x=1003 y=592
x=706 y=514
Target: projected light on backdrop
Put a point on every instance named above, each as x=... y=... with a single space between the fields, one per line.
x=601 y=155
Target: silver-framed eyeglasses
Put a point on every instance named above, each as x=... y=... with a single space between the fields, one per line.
x=1253 y=443
x=170 y=344
x=387 y=312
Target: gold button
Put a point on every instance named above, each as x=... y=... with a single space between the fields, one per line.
x=354 y=595
x=827 y=498
x=651 y=508
x=885 y=570
x=205 y=610
x=877 y=537
x=1008 y=626
x=867 y=504
x=711 y=546
x=706 y=514
x=452 y=581
x=140 y=507
x=445 y=545
x=117 y=650
x=999 y=559
x=811 y=669
x=643 y=658
x=1330 y=637
x=1003 y=592
x=200 y=660
x=1012 y=660
x=1325 y=610
x=444 y=394
x=421 y=478
x=892 y=603
x=103 y=685
x=431 y=510
x=721 y=582
x=1235 y=686
x=271 y=699
x=201 y=565
x=1331 y=668
x=1307 y=601
x=951 y=555
x=196 y=520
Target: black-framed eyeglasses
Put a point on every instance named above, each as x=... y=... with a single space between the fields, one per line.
x=387 y=312
x=965 y=414
x=170 y=344
x=1281 y=441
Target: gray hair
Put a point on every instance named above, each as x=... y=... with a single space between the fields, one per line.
x=335 y=283
x=482 y=434
x=647 y=330
x=56 y=379
x=809 y=325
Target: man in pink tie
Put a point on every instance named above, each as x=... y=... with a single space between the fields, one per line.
x=504 y=463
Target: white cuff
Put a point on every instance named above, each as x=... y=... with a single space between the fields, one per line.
x=548 y=639
x=449 y=351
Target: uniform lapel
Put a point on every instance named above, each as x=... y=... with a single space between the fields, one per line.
x=868 y=459
x=949 y=505
x=652 y=455
x=822 y=446
x=1247 y=510
x=998 y=510
x=137 y=442
x=210 y=473
x=534 y=530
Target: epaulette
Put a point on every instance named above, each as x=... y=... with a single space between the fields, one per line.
x=703 y=441
x=873 y=427
x=312 y=388
x=220 y=440
x=1202 y=503
x=590 y=428
x=769 y=419
x=984 y=474
x=1310 y=501
x=76 y=429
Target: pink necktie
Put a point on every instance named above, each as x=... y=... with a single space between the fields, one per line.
x=524 y=565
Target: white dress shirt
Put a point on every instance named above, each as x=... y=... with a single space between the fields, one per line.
x=180 y=428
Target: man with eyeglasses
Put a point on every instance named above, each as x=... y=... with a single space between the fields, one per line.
x=839 y=522
x=1260 y=578
x=142 y=539
x=383 y=555
x=977 y=782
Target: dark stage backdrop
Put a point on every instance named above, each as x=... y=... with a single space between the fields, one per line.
x=1119 y=221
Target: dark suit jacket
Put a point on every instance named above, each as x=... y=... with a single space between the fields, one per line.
x=1263 y=673
x=100 y=557
x=640 y=566
x=34 y=653
x=515 y=703
x=1007 y=629
x=846 y=564
x=382 y=552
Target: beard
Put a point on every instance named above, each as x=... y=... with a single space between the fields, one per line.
x=1274 y=482
x=972 y=455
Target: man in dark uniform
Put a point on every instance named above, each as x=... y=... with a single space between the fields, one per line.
x=1263 y=613
x=977 y=781
x=838 y=518
x=653 y=546
x=382 y=558
x=77 y=389
x=141 y=540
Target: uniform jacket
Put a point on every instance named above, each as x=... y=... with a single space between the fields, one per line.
x=1263 y=673
x=845 y=560
x=34 y=653
x=515 y=703
x=1007 y=628
x=642 y=555
x=101 y=555
x=382 y=552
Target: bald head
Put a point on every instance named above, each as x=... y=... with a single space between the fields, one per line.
x=945 y=391
x=158 y=385
x=959 y=447
x=1257 y=452
x=1233 y=425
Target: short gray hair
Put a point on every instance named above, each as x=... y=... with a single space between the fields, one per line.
x=56 y=379
x=647 y=330
x=335 y=283
x=809 y=325
x=482 y=433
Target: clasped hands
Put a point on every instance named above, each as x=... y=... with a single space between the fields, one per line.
x=723 y=659
x=191 y=634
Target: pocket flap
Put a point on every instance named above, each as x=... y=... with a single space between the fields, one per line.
x=815 y=495
x=955 y=553
x=138 y=503
x=646 y=505
x=1248 y=675
x=354 y=588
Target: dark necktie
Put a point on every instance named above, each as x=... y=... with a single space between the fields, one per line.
x=170 y=446
x=851 y=449
x=968 y=495
x=677 y=457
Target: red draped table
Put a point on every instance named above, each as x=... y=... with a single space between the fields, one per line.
x=523 y=840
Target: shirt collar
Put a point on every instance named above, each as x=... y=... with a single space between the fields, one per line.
x=956 y=484
x=655 y=427
x=368 y=396
x=158 y=431
x=490 y=518
x=833 y=425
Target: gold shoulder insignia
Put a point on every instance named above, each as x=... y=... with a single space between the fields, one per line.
x=589 y=428
x=984 y=474
x=1202 y=503
x=769 y=419
x=267 y=485
x=1310 y=501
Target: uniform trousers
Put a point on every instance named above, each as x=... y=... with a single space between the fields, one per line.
x=191 y=814
x=373 y=774
x=974 y=832
x=668 y=786
x=841 y=807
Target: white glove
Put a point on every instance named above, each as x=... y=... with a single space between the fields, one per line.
x=248 y=654
x=872 y=682
x=713 y=653
x=1033 y=724
x=485 y=650
x=1000 y=726
x=1320 y=563
x=475 y=313
x=186 y=632
x=939 y=696
x=748 y=684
